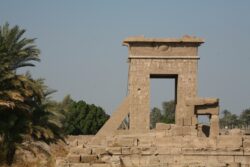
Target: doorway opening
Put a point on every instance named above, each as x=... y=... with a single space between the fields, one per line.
x=163 y=99
x=203 y=125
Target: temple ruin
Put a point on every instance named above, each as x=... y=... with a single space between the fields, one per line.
x=185 y=143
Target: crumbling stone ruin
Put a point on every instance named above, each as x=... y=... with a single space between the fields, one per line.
x=185 y=143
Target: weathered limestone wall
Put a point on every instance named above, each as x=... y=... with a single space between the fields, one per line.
x=185 y=71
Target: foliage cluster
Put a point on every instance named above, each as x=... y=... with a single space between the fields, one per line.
x=83 y=119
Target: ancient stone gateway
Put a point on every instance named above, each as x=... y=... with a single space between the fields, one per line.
x=164 y=58
x=185 y=143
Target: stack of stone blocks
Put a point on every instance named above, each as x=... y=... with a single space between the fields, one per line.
x=184 y=143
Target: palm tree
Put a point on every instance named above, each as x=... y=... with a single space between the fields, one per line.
x=24 y=107
x=15 y=52
x=245 y=117
x=16 y=91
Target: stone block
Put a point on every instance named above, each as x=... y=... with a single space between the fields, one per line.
x=236 y=132
x=242 y=159
x=178 y=159
x=126 y=150
x=80 y=150
x=175 y=151
x=166 y=159
x=111 y=142
x=100 y=165
x=246 y=151
x=194 y=159
x=225 y=159
x=245 y=165
x=159 y=133
x=114 y=150
x=193 y=142
x=144 y=161
x=220 y=152
x=236 y=151
x=115 y=161
x=168 y=133
x=201 y=101
x=135 y=160
x=61 y=162
x=88 y=158
x=81 y=142
x=246 y=142
x=229 y=141
x=179 y=121
x=177 y=131
x=187 y=121
x=163 y=150
x=162 y=126
x=213 y=162
x=99 y=150
x=172 y=141
x=73 y=158
x=154 y=160
x=73 y=143
x=125 y=142
x=105 y=158
x=188 y=151
x=186 y=130
x=135 y=150
x=79 y=165
x=193 y=132
x=146 y=141
x=234 y=164
x=148 y=150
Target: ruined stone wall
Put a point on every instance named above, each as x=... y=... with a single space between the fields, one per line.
x=159 y=148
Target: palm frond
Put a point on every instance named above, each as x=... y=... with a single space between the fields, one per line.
x=8 y=104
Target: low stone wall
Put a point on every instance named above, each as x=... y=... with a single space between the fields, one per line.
x=158 y=149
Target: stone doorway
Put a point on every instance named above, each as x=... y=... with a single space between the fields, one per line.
x=163 y=96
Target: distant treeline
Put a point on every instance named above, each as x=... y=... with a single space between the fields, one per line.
x=230 y=120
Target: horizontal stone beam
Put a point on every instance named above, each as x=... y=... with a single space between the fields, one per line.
x=202 y=101
x=162 y=57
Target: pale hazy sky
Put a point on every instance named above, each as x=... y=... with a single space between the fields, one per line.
x=82 y=53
